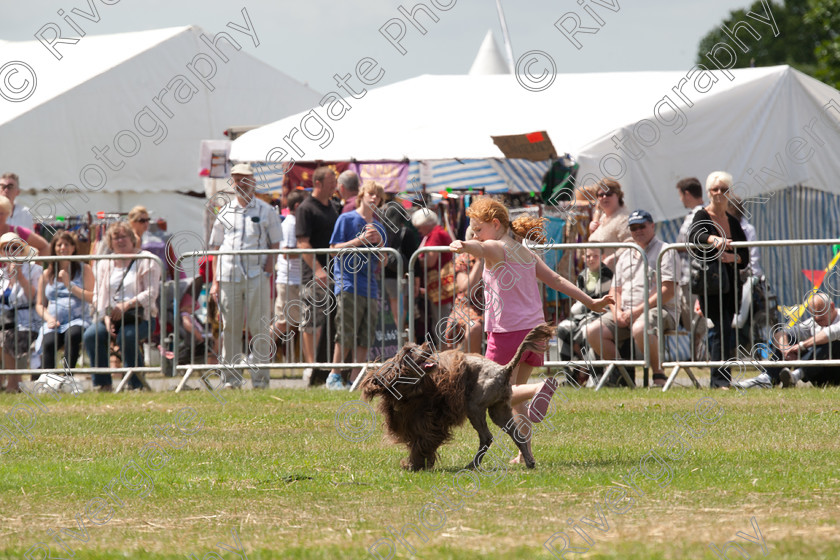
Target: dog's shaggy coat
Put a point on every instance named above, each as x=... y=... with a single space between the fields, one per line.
x=425 y=395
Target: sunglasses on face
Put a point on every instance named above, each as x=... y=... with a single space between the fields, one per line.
x=5 y=186
x=638 y=227
x=143 y=220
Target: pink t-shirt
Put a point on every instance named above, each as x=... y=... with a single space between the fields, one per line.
x=514 y=282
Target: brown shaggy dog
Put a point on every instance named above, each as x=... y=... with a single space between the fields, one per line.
x=425 y=395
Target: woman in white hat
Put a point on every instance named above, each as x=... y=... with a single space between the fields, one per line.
x=19 y=323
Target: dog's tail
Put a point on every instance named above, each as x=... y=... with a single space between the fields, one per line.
x=535 y=341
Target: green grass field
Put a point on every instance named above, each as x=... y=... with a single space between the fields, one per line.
x=272 y=466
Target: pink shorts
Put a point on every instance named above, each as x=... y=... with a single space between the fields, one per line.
x=502 y=346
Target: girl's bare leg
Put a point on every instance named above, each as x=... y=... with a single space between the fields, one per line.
x=521 y=393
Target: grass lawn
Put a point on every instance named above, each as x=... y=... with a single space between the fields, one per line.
x=272 y=467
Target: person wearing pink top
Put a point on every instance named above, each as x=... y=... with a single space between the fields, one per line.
x=513 y=304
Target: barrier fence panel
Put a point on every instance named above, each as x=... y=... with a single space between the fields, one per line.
x=451 y=317
x=90 y=326
x=747 y=326
x=350 y=313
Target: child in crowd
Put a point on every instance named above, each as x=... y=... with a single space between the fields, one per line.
x=595 y=279
x=356 y=287
x=288 y=271
x=513 y=305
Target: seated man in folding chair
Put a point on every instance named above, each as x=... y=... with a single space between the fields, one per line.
x=626 y=317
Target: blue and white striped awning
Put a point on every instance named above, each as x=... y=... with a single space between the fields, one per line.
x=269 y=177
x=493 y=175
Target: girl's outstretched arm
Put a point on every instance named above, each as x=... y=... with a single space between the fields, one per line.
x=557 y=282
x=492 y=251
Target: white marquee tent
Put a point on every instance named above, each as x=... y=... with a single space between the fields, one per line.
x=104 y=90
x=740 y=125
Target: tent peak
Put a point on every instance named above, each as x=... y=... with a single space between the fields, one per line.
x=489 y=59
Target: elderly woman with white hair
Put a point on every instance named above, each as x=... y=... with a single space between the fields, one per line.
x=437 y=271
x=711 y=235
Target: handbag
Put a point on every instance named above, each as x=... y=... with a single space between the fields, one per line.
x=8 y=318
x=710 y=278
x=440 y=285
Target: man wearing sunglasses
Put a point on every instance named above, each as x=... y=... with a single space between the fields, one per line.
x=10 y=188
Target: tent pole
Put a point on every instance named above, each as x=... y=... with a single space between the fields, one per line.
x=506 y=35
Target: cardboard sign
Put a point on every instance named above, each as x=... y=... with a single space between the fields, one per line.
x=534 y=146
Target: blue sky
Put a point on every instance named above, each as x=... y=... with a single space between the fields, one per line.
x=312 y=40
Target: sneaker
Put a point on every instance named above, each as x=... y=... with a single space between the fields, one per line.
x=336 y=383
x=659 y=379
x=789 y=378
x=235 y=384
x=307 y=376
x=761 y=381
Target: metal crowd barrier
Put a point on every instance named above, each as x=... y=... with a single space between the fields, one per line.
x=436 y=327
x=756 y=343
x=30 y=305
x=759 y=343
x=313 y=302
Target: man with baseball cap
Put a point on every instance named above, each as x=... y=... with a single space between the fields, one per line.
x=626 y=317
x=241 y=282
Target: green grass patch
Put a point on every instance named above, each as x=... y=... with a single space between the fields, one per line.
x=272 y=466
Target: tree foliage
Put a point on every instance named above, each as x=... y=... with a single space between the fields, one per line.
x=796 y=44
x=824 y=17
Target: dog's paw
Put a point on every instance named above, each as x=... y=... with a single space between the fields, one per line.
x=406 y=464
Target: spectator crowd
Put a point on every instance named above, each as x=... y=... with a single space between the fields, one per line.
x=332 y=305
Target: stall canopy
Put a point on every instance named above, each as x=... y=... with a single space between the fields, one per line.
x=138 y=99
x=742 y=125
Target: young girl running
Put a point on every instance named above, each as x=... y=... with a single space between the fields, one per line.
x=513 y=305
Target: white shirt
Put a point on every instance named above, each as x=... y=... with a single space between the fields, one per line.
x=749 y=233
x=27 y=319
x=630 y=276
x=682 y=237
x=238 y=228
x=804 y=330
x=288 y=269
x=122 y=284
x=21 y=217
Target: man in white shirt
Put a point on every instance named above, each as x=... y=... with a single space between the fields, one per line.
x=626 y=318
x=241 y=283
x=10 y=188
x=691 y=196
x=817 y=338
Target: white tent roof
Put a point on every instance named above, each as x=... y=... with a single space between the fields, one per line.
x=489 y=59
x=737 y=126
x=103 y=82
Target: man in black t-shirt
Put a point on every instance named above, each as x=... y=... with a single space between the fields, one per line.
x=316 y=218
